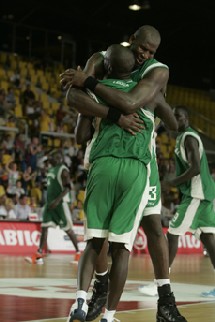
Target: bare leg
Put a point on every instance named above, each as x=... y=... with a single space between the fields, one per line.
x=73 y=239
x=157 y=245
x=87 y=263
x=118 y=274
x=102 y=260
x=100 y=286
x=173 y=247
x=43 y=239
x=208 y=241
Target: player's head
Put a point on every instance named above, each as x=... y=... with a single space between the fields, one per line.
x=144 y=43
x=55 y=158
x=182 y=117
x=119 y=61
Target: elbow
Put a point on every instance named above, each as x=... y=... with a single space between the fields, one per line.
x=71 y=96
x=130 y=107
x=80 y=138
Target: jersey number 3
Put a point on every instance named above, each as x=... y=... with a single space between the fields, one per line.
x=152 y=193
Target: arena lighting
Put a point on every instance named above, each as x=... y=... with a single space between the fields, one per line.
x=125 y=42
x=135 y=5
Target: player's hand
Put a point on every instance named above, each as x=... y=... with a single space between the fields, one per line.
x=53 y=204
x=72 y=78
x=131 y=123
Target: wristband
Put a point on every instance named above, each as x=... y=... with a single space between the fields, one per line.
x=113 y=115
x=90 y=82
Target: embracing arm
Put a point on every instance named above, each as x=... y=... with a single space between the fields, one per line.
x=143 y=93
x=165 y=113
x=193 y=158
x=95 y=66
x=84 y=129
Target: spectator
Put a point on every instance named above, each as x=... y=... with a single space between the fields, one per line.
x=5 y=107
x=27 y=94
x=28 y=178
x=10 y=96
x=6 y=207
x=19 y=189
x=15 y=78
x=13 y=175
x=22 y=209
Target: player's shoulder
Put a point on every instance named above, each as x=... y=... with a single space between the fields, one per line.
x=149 y=67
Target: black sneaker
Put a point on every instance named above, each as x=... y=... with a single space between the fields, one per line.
x=78 y=311
x=167 y=310
x=98 y=300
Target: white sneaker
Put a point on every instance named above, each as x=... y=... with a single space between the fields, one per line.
x=209 y=294
x=78 y=311
x=105 y=320
x=150 y=289
x=38 y=261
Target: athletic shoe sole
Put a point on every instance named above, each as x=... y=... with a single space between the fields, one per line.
x=39 y=261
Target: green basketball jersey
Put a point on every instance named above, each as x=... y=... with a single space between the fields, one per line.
x=139 y=73
x=147 y=66
x=111 y=140
x=201 y=186
x=54 y=183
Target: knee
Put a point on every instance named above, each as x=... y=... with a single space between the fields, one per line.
x=96 y=244
x=118 y=249
x=204 y=237
x=152 y=226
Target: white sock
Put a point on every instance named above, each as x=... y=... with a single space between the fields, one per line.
x=82 y=295
x=161 y=282
x=108 y=315
x=102 y=274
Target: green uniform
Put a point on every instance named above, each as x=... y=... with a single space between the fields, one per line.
x=195 y=213
x=61 y=215
x=153 y=206
x=117 y=185
x=148 y=65
x=154 y=202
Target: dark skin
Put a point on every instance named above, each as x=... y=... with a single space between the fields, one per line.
x=193 y=157
x=153 y=83
x=144 y=44
x=55 y=160
x=96 y=250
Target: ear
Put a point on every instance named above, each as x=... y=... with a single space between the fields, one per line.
x=109 y=69
x=131 y=39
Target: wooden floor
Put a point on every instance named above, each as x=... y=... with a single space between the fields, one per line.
x=46 y=292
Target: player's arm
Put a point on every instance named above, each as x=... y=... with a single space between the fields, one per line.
x=193 y=158
x=85 y=105
x=84 y=129
x=95 y=66
x=143 y=93
x=165 y=113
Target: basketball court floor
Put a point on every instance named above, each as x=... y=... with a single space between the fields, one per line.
x=39 y=293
